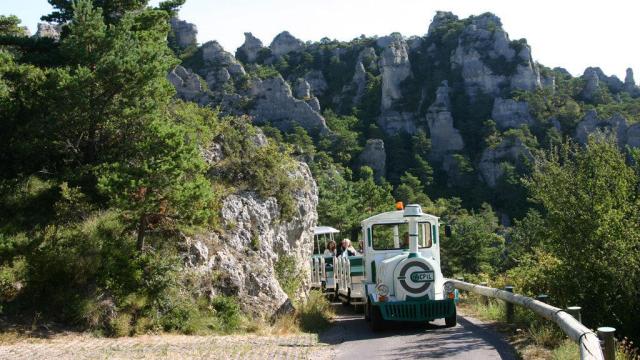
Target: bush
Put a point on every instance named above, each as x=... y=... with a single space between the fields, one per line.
x=288 y=275
x=315 y=313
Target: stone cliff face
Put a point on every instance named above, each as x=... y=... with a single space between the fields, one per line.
x=185 y=33
x=440 y=83
x=445 y=138
x=240 y=261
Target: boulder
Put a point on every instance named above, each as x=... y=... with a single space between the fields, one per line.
x=445 y=138
x=274 y=103
x=375 y=157
x=511 y=114
x=48 y=30
x=242 y=259
x=250 y=48
x=510 y=150
x=285 y=43
x=185 y=33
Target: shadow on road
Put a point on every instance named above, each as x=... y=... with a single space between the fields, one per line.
x=351 y=336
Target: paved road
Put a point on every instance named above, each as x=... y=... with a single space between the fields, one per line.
x=352 y=339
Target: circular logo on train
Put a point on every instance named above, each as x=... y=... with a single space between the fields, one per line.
x=415 y=277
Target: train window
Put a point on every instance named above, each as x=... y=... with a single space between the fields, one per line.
x=396 y=236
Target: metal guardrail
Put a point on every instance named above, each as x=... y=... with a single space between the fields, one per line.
x=588 y=341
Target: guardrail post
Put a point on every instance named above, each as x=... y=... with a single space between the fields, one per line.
x=485 y=300
x=608 y=341
x=575 y=312
x=509 y=306
x=543 y=298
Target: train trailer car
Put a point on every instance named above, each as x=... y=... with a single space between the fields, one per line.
x=402 y=280
x=322 y=266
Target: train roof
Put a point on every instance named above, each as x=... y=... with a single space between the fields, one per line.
x=391 y=217
x=321 y=230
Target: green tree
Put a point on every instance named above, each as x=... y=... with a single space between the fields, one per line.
x=10 y=26
x=589 y=198
x=113 y=10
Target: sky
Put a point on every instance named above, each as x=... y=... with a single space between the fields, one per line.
x=570 y=34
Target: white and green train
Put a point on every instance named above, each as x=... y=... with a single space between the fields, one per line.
x=398 y=277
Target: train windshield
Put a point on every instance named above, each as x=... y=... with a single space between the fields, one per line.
x=396 y=236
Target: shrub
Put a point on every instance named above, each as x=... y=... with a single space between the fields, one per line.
x=315 y=313
x=288 y=275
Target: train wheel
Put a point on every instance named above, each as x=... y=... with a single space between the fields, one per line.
x=377 y=323
x=451 y=321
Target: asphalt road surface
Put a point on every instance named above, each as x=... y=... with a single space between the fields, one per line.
x=351 y=338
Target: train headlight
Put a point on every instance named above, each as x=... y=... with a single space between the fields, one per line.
x=382 y=290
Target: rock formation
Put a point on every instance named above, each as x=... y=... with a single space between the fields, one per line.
x=187 y=84
x=510 y=150
x=482 y=41
x=275 y=104
x=285 y=43
x=510 y=114
x=318 y=83
x=591 y=86
x=630 y=83
x=250 y=48
x=615 y=125
x=375 y=157
x=48 y=30
x=185 y=33
x=302 y=89
x=243 y=257
x=394 y=68
x=445 y=139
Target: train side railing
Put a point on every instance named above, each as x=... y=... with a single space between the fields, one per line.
x=588 y=341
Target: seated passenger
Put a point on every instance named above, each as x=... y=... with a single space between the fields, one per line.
x=331 y=249
x=349 y=250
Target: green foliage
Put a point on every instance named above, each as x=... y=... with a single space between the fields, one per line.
x=113 y=10
x=288 y=275
x=589 y=198
x=474 y=247
x=10 y=26
x=315 y=313
x=249 y=164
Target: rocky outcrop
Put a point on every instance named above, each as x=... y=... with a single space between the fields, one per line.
x=302 y=89
x=440 y=20
x=184 y=32
x=359 y=83
x=591 y=86
x=274 y=103
x=240 y=262
x=590 y=124
x=285 y=43
x=510 y=150
x=187 y=84
x=213 y=54
x=318 y=83
x=483 y=41
x=48 y=30
x=250 y=48
x=527 y=76
x=630 y=83
x=394 y=67
x=375 y=157
x=614 y=84
x=510 y=114
x=445 y=138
